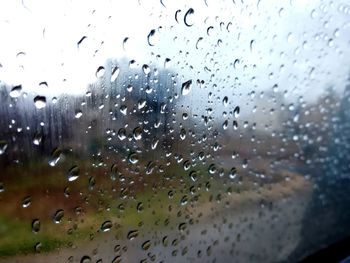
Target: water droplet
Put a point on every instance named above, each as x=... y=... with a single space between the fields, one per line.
x=38 y=246
x=36 y=225
x=252 y=45
x=2 y=188
x=225 y=101
x=37 y=138
x=154 y=143
x=57 y=218
x=26 y=201
x=182 y=227
x=106 y=226
x=122 y=134
x=146 y=69
x=55 y=157
x=150 y=167
x=123 y=109
x=183 y=134
x=235 y=125
x=133 y=158
x=236 y=111
x=140 y=207
x=115 y=73
x=125 y=41
x=100 y=72
x=152 y=38
x=78 y=114
x=73 y=173
x=3 y=147
x=186 y=87
x=146 y=245
x=40 y=102
x=16 y=91
x=199 y=40
x=225 y=124
x=212 y=169
x=85 y=259
x=193 y=176
x=176 y=15
x=233 y=173
x=132 y=234
x=141 y=104
x=187 y=17
x=81 y=41
x=167 y=62
x=137 y=133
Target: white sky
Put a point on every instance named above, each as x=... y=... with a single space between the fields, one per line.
x=287 y=33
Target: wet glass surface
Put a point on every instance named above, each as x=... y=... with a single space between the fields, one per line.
x=173 y=131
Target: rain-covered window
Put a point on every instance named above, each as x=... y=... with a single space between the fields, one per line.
x=173 y=131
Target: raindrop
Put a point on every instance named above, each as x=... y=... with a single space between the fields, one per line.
x=167 y=62
x=133 y=158
x=199 y=40
x=146 y=245
x=36 y=225
x=209 y=29
x=212 y=169
x=235 y=125
x=40 y=102
x=252 y=45
x=183 y=134
x=140 y=207
x=26 y=201
x=141 y=104
x=57 y=218
x=176 y=15
x=152 y=38
x=81 y=41
x=122 y=134
x=225 y=101
x=55 y=157
x=38 y=246
x=115 y=73
x=187 y=17
x=236 y=111
x=37 y=138
x=125 y=41
x=100 y=72
x=78 y=114
x=73 y=173
x=182 y=227
x=193 y=176
x=137 y=133
x=225 y=124
x=186 y=87
x=3 y=147
x=236 y=63
x=16 y=91
x=123 y=109
x=233 y=173
x=85 y=259
x=146 y=69
x=129 y=88
x=132 y=234
x=154 y=143
x=106 y=226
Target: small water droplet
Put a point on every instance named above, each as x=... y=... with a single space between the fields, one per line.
x=235 y=125
x=186 y=87
x=73 y=173
x=36 y=225
x=81 y=41
x=16 y=91
x=122 y=134
x=37 y=138
x=233 y=173
x=115 y=73
x=212 y=169
x=106 y=226
x=152 y=38
x=38 y=246
x=3 y=147
x=154 y=143
x=85 y=259
x=236 y=111
x=137 y=133
x=167 y=63
x=100 y=72
x=133 y=158
x=78 y=114
x=26 y=201
x=125 y=41
x=141 y=104
x=40 y=102
x=146 y=69
x=176 y=15
x=225 y=124
x=55 y=156
x=199 y=40
x=140 y=207
x=183 y=134
x=187 y=17
x=225 y=101
x=132 y=234
x=146 y=245
x=123 y=109
x=193 y=176
x=57 y=218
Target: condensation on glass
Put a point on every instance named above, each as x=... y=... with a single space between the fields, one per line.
x=173 y=131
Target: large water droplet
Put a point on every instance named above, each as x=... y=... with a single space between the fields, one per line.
x=133 y=234
x=26 y=201
x=152 y=38
x=100 y=72
x=16 y=91
x=106 y=226
x=3 y=147
x=187 y=17
x=137 y=133
x=36 y=225
x=73 y=173
x=186 y=87
x=115 y=73
x=40 y=102
x=57 y=218
x=55 y=157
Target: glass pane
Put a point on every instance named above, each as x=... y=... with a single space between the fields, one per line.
x=173 y=131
